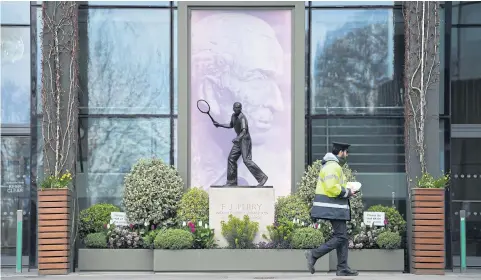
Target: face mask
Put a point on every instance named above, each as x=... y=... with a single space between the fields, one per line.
x=342 y=161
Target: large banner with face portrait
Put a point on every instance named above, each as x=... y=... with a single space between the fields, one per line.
x=241 y=56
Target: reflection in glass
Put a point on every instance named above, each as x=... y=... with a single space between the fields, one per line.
x=351 y=3
x=110 y=146
x=39 y=41
x=15 y=12
x=466 y=12
x=377 y=144
x=176 y=94
x=352 y=68
x=466 y=75
x=15 y=192
x=15 y=56
x=124 y=67
x=129 y=3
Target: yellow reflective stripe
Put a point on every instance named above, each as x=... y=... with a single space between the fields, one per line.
x=331 y=205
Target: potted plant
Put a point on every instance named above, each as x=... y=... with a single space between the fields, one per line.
x=428 y=224
x=54 y=224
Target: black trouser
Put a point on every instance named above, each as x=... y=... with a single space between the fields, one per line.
x=339 y=241
x=243 y=147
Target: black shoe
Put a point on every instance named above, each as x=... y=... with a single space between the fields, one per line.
x=262 y=182
x=310 y=262
x=347 y=272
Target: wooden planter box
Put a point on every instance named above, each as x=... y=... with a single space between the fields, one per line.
x=53 y=232
x=428 y=254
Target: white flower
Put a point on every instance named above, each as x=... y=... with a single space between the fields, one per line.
x=184 y=224
x=294 y=220
x=200 y=223
x=302 y=224
x=146 y=224
x=206 y=226
x=108 y=226
x=362 y=225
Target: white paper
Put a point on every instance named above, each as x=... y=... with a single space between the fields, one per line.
x=355 y=186
x=374 y=218
x=119 y=219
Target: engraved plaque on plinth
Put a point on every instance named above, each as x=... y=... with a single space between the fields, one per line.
x=256 y=202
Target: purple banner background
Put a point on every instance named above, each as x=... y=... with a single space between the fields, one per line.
x=245 y=56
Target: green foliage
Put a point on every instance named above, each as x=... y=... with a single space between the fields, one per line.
x=427 y=181
x=56 y=182
x=152 y=192
x=203 y=235
x=96 y=240
x=280 y=235
x=306 y=238
x=395 y=222
x=174 y=239
x=149 y=238
x=389 y=240
x=194 y=206
x=123 y=238
x=95 y=217
x=239 y=233
x=292 y=207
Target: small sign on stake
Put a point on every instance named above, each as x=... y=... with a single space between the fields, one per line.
x=119 y=219
x=374 y=218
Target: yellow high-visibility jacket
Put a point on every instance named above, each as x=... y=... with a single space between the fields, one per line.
x=331 y=201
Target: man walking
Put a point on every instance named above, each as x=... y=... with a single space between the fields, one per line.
x=242 y=146
x=331 y=202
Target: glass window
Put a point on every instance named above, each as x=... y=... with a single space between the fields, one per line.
x=39 y=40
x=357 y=61
x=377 y=144
x=124 y=61
x=466 y=75
x=129 y=3
x=176 y=94
x=15 y=79
x=351 y=3
x=110 y=146
x=15 y=12
x=15 y=193
x=466 y=12
x=376 y=154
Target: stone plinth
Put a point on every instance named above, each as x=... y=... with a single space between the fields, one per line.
x=256 y=202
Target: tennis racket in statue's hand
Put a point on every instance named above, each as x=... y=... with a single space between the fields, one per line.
x=204 y=107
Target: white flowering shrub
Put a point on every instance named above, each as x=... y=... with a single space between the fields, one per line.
x=152 y=191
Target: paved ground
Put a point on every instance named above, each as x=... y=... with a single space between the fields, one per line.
x=238 y=276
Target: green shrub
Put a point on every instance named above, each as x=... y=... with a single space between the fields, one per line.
x=174 y=239
x=307 y=238
x=395 y=222
x=152 y=192
x=94 y=218
x=280 y=235
x=239 y=233
x=96 y=240
x=389 y=240
x=427 y=181
x=149 y=238
x=292 y=207
x=194 y=206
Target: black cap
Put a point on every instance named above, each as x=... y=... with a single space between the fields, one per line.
x=340 y=146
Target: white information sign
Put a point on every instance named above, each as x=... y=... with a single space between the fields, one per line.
x=119 y=219
x=374 y=218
